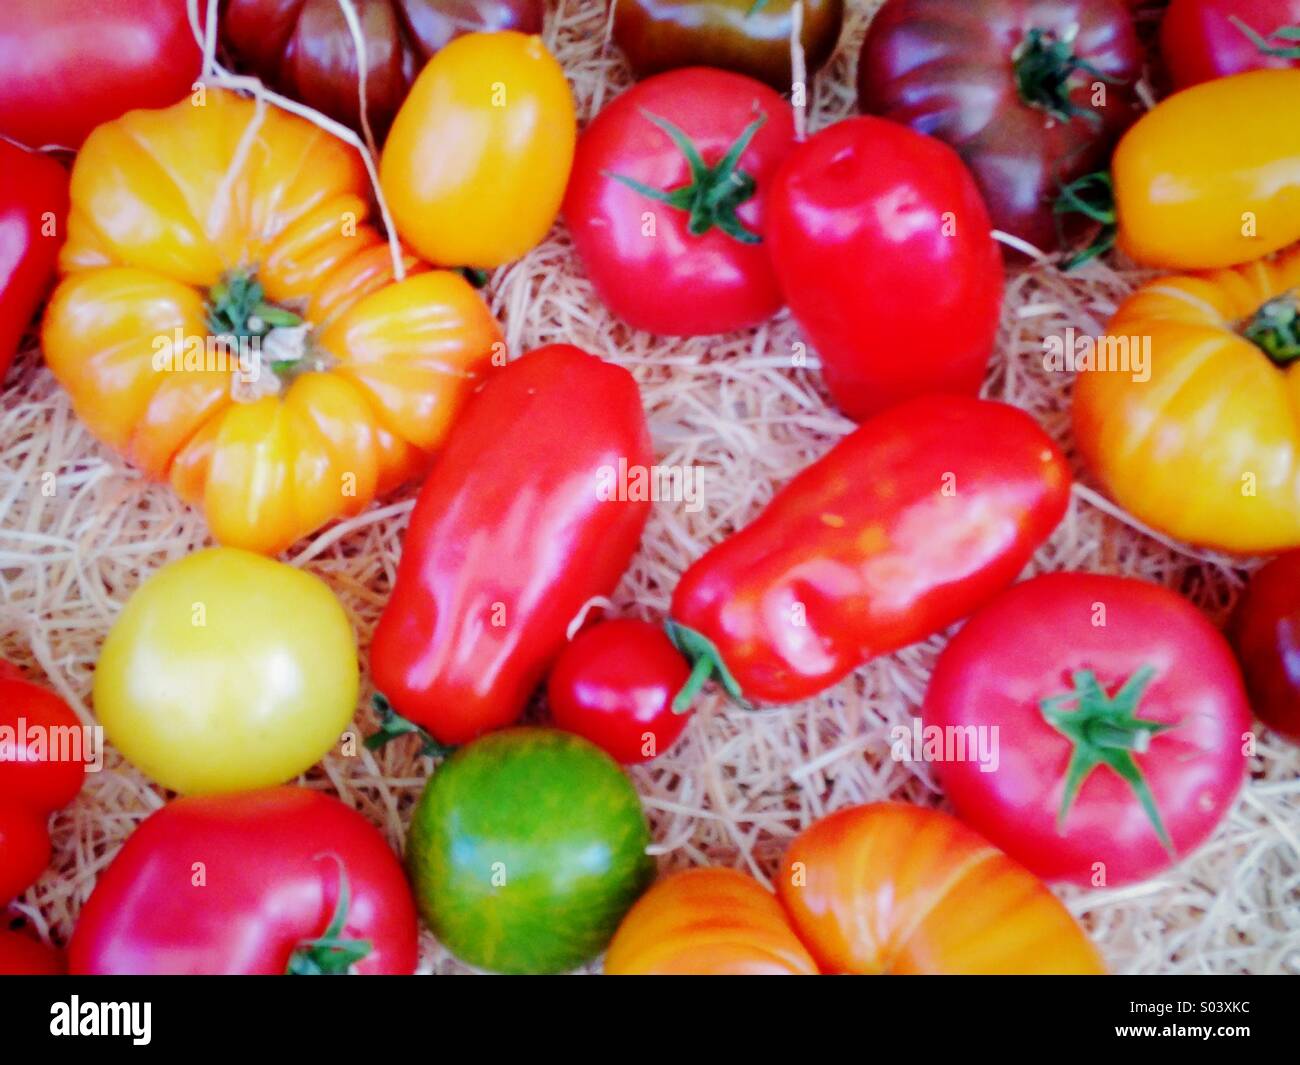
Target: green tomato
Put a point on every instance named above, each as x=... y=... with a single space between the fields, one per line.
x=526 y=849
x=227 y=671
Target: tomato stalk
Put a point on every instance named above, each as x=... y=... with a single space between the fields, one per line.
x=706 y=663
x=1266 y=45
x=330 y=954
x=392 y=725
x=237 y=309
x=1045 y=63
x=714 y=193
x=1275 y=329
x=1106 y=730
x=1093 y=196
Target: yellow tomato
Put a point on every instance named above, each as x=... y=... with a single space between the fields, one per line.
x=1210 y=177
x=1208 y=448
x=206 y=221
x=476 y=164
x=227 y=671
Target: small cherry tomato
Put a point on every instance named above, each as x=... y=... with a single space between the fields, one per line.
x=614 y=684
x=1265 y=632
x=1201 y=40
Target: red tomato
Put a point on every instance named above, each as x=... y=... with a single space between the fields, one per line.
x=259 y=882
x=1265 y=631
x=68 y=65
x=883 y=249
x=1121 y=723
x=614 y=684
x=1204 y=39
x=21 y=955
x=33 y=215
x=672 y=239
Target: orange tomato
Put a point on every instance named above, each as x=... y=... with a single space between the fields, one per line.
x=888 y=888
x=707 y=922
x=221 y=217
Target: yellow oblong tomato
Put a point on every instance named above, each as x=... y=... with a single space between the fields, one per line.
x=1204 y=443
x=221 y=222
x=1210 y=177
x=478 y=158
x=888 y=888
x=707 y=922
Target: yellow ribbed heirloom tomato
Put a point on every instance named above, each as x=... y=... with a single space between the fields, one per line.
x=478 y=158
x=1208 y=448
x=227 y=671
x=226 y=217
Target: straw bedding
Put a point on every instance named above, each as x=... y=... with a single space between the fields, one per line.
x=738 y=785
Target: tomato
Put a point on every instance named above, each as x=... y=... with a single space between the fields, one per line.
x=525 y=851
x=21 y=955
x=260 y=883
x=227 y=671
x=1201 y=40
x=43 y=756
x=1120 y=723
x=666 y=201
x=1265 y=632
x=882 y=246
x=906 y=526
x=1201 y=441
x=741 y=35
x=170 y=301
x=1207 y=178
x=305 y=48
x=68 y=65
x=707 y=922
x=33 y=220
x=1032 y=93
x=615 y=685
x=475 y=166
x=521 y=522
x=888 y=888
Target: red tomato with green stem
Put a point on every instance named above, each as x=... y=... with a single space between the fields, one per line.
x=884 y=252
x=1121 y=726
x=283 y=880
x=1201 y=40
x=617 y=685
x=1265 y=632
x=666 y=201
x=33 y=218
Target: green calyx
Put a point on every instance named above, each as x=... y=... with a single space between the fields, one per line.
x=1281 y=43
x=1093 y=196
x=392 y=725
x=1275 y=329
x=1045 y=64
x=1106 y=730
x=237 y=307
x=330 y=954
x=706 y=663
x=714 y=193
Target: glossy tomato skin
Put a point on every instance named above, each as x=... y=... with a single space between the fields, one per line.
x=645 y=264
x=68 y=65
x=1265 y=632
x=614 y=685
x=707 y=922
x=475 y=166
x=659 y=35
x=22 y=955
x=1024 y=648
x=33 y=221
x=305 y=47
x=904 y=527
x=951 y=70
x=1199 y=41
x=889 y=888
x=518 y=525
x=883 y=250
x=232 y=884
x=264 y=660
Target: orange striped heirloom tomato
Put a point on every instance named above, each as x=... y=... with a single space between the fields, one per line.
x=1208 y=448
x=228 y=319
x=1209 y=177
x=707 y=922
x=889 y=888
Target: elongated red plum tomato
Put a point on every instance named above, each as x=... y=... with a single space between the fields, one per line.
x=666 y=201
x=614 y=684
x=1265 y=632
x=884 y=253
x=1114 y=724
x=257 y=883
x=68 y=65
x=1201 y=40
